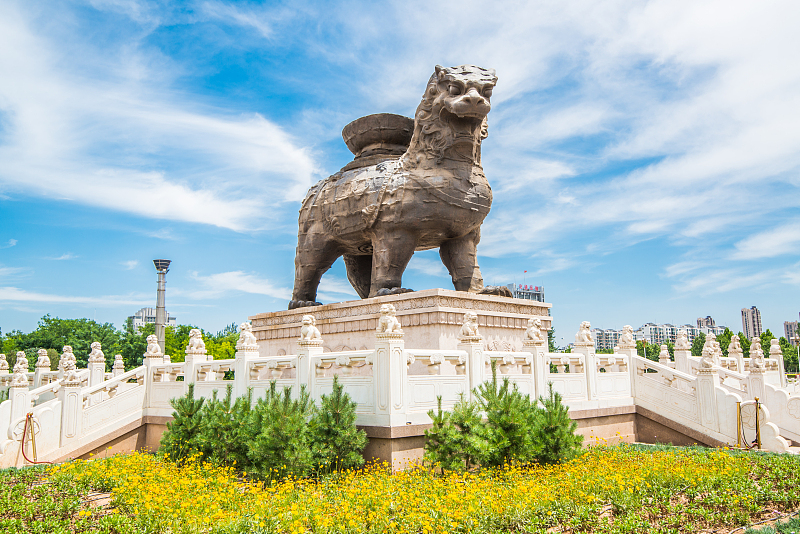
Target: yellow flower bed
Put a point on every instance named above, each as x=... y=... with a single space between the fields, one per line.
x=608 y=489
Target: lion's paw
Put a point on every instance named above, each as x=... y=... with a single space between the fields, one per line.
x=294 y=304
x=393 y=291
x=500 y=291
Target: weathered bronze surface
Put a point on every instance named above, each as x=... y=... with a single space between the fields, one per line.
x=414 y=185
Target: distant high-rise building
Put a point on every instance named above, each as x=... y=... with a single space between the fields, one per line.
x=146 y=316
x=705 y=322
x=790 y=332
x=527 y=292
x=751 y=322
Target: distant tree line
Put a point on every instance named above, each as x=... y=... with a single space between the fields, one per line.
x=53 y=333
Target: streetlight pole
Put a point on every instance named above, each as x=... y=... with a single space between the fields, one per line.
x=162 y=268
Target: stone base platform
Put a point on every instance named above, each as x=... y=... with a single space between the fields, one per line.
x=431 y=319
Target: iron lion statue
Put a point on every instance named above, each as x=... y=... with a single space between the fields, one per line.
x=413 y=185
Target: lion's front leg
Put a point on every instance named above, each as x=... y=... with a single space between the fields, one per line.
x=460 y=256
x=392 y=250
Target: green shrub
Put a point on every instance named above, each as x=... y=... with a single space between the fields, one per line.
x=281 y=442
x=225 y=431
x=510 y=421
x=337 y=443
x=554 y=433
x=513 y=429
x=456 y=441
x=180 y=440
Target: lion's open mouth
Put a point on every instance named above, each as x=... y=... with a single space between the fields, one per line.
x=466 y=122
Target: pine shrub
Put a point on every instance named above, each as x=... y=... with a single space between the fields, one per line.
x=337 y=443
x=224 y=430
x=502 y=426
x=180 y=440
x=281 y=440
x=554 y=433
x=456 y=441
x=510 y=420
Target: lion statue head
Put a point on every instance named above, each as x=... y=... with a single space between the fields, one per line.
x=453 y=111
x=309 y=320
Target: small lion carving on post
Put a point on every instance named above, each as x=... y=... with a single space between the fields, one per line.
x=246 y=337
x=309 y=330
x=196 y=343
x=584 y=334
x=469 y=328
x=388 y=323
x=152 y=346
x=534 y=330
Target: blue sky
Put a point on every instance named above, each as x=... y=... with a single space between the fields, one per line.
x=644 y=156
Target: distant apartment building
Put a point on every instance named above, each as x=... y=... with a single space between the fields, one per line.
x=790 y=332
x=605 y=339
x=705 y=322
x=653 y=333
x=527 y=292
x=147 y=316
x=751 y=322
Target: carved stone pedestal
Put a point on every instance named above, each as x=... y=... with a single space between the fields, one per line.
x=431 y=319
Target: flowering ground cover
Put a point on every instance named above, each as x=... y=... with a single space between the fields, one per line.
x=607 y=489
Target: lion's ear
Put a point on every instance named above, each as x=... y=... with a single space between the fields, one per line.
x=440 y=71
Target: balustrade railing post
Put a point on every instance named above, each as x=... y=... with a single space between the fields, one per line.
x=587 y=349
x=69 y=394
x=152 y=358
x=97 y=369
x=246 y=350
x=42 y=367
x=390 y=372
x=307 y=350
x=706 y=395
x=476 y=362
x=539 y=365
x=18 y=392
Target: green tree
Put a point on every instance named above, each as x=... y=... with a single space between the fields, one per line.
x=551 y=340
x=457 y=440
x=697 y=344
x=225 y=432
x=724 y=340
x=789 y=356
x=766 y=338
x=554 y=433
x=179 y=442
x=745 y=343
x=648 y=350
x=337 y=443
x=510 y=417
x=281 y=443
x=54 y=333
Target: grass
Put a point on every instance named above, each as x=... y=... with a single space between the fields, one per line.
x=607 y=490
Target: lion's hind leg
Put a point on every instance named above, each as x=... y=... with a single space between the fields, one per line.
x=460 y=256
x=359 y=272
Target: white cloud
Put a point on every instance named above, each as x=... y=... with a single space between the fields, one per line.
x=10 y=243
x=130 y=264
x=769 y=243
x=14 y=294
x=221 y=284
x=67 y=256
x=127 y=141
x=248 y=18
x=428 y=266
